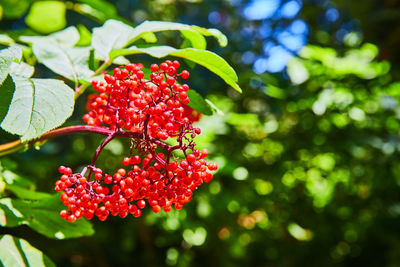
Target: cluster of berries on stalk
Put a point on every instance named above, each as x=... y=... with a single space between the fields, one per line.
x=149 y=112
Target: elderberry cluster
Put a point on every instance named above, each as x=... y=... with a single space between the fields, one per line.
x=149 y=112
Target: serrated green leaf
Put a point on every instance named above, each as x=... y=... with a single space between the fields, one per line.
x=198 y=103
x=65 y=38
x=18 y=252
x=42 y=215
x=47 y=16
x=195 y=38
x=7 y=90
x=38 y=106
x=22 y=69
x=207 y=59
x=100 y=10
x=71 y=63
x=112 y=35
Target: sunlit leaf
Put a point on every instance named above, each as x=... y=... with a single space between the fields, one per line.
x=65 y=38
x=42 y=215
x=18 y=252
x=38 y=105
x=71 y=63
x=207 y=59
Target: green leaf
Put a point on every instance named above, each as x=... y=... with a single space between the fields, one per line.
x=112 y=35
x=47 y=16
x=18 y=252
x=207 y=59
x=6 y=94
x=100 y=10
x=65 y=38
x=85 y=36
x=71 y=63
x=24 y=193
x=7 y=56
x=22 y=69
x=274 y=92
x=38 y=106
x=297 y=72
x=195 y=38
x=217 y=34
x=43 y=216
x=198 y=103
x=14 y=9
x=158 y=26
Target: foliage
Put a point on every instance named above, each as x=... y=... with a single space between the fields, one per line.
x=308 y=158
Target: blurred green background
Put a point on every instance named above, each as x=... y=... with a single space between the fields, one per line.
x=309 y=153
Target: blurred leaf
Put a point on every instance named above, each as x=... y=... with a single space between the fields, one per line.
x=42 y=215
x=7 y=56
x=47 y=16
x=85 y=36
x=100 y=10
x=22 y=69
x=38 y=106
x=198 y=103
x=207 y=59
x=274 y=92
x=71 y=63
x=18 y=252
x=65 y=38
x=158 y=26
x=6 y=40
x=14 y=9
x=297 y=72
x=214 y=107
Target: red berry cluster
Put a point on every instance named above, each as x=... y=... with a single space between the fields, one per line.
x=149 y=112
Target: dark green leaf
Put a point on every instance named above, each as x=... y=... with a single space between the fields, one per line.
x=18 y=252
x=47 y=16
x=71 y=63
x=158 y=26
x=38 y=106
x=100 y=10
x=6 y=94
x=198 y=103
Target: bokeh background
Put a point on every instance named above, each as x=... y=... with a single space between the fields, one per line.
x=309 y=154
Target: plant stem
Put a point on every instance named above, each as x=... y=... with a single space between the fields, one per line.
x=98 y=151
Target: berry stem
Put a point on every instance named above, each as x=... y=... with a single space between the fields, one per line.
x=99 y=149
x=14 y=146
